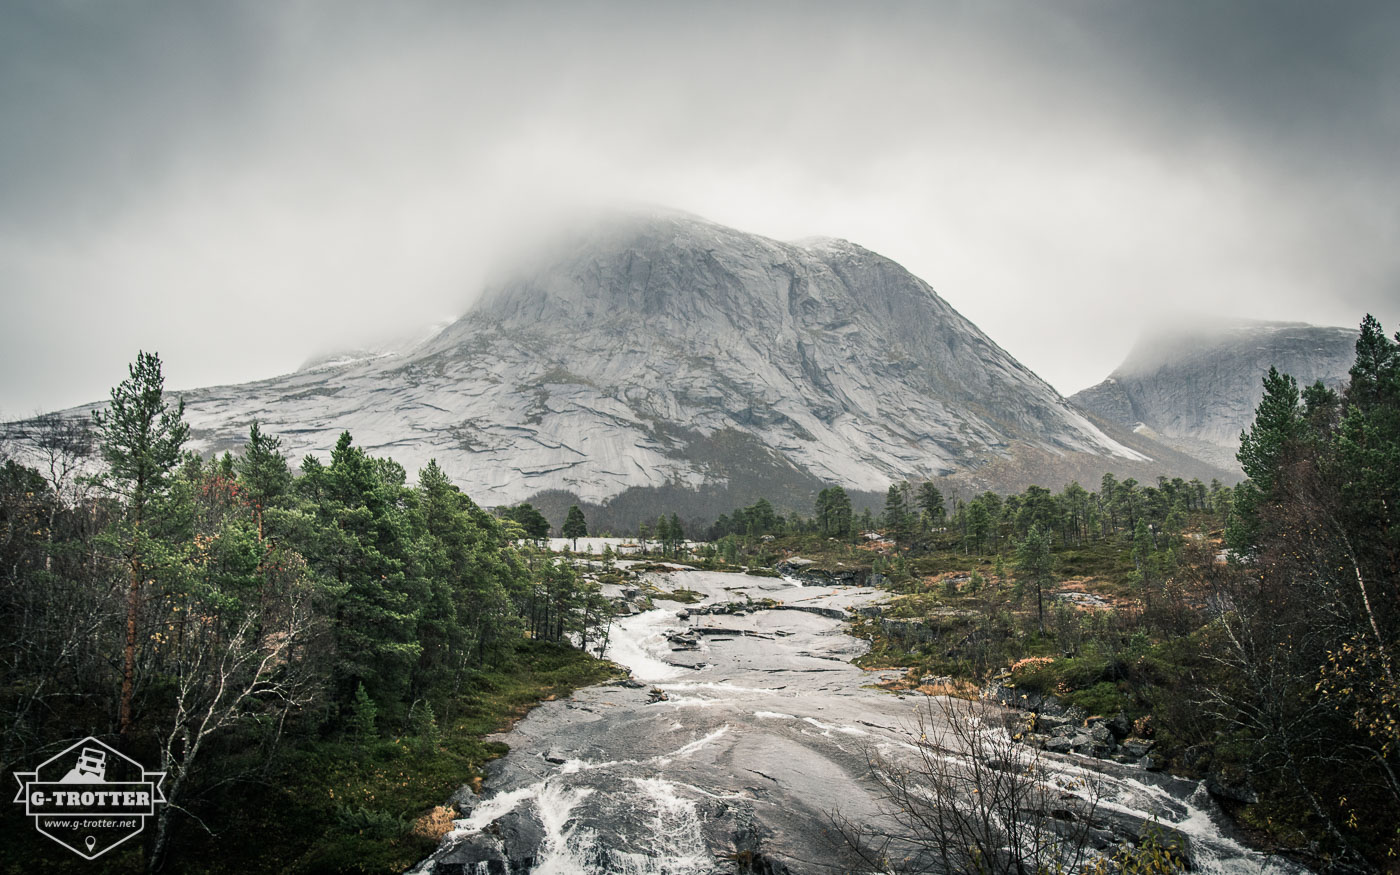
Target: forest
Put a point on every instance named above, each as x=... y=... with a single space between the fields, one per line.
x=263 y=634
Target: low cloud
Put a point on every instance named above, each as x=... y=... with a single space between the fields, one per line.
x=242 y=186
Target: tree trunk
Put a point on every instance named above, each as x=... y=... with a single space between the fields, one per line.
x=1040 y=606
x=132 y=602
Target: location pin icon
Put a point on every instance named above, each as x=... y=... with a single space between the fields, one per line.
x=90 y=842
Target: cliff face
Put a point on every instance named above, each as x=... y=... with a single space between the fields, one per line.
x=1197 y=390
x=665 y=352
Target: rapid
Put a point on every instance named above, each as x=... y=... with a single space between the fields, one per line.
x=737 y=737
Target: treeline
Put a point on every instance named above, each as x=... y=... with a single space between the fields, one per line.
x=919 y=516
x=207 y=612
x=1074 y=515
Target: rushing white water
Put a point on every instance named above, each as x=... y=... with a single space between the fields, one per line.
x=636 y=639
x=763 y=731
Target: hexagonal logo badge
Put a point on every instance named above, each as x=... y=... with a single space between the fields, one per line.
x=90 y=798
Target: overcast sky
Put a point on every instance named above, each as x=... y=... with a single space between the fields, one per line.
x=242 y=185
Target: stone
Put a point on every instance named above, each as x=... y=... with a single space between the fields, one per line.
x=1097 y=729
x=1120 y=725
x=1059 y=744
x=463 y=799
x=1225 y=788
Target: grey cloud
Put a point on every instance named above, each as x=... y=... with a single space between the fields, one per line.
x=241 y=185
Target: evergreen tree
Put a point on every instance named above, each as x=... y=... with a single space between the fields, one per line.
x=1035 y=565
x=931 y=502
x=867 y=520
x=677 y=534
x=468 y=578
x=895 y=517
x=361 y=544
x=761 y=518
x=1264 y=449
x=531 y=520
x=575 y=526
x=1144 y=562
x=835 y=517
x=978 y=522
x=1313 y=627
x=263 y=471
x=1108 y=500
x=663 y=533
x=140 y=438
x=1277 y=423
x=1036 y=507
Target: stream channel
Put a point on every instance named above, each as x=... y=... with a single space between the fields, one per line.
x=764 y=729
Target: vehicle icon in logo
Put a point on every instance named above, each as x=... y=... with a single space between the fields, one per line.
x=91 y=768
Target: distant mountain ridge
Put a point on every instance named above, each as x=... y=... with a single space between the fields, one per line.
x=1196 y=388
x=662 y=359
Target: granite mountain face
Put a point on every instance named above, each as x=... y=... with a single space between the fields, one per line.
x=656 y=353
x=1196 y=388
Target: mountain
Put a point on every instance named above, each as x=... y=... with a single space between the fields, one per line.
x=1196 y=388
x=659 y=361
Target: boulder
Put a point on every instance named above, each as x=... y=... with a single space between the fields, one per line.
x=1097 y=729
x=1239 y=790
x=463 y=799
x=1120 y=725
x=1059 y=744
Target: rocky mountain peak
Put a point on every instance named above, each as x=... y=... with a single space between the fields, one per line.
x=1196 y=385
x=655 y=352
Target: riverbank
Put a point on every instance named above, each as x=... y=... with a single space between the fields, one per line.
x=338 y=806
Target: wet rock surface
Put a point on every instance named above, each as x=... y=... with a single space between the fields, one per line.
x=731 y=745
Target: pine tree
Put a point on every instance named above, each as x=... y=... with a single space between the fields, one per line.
x=362 y=545
x=1035 y=565
x=1277 y=422
x=663 y=533
x=677 y=534
x=1144 y=562
x=931 y=502
x=895 y=517
x=263 y=471
x=575 y=526
x=833 y=512
x=140 y=438
x=531 y=520
x=978 y=521
x=1264 y=449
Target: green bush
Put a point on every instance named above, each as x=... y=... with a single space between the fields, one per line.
x=1102 y=698
x=371 y=823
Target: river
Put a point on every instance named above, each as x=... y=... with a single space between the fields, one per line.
x=734 y=751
